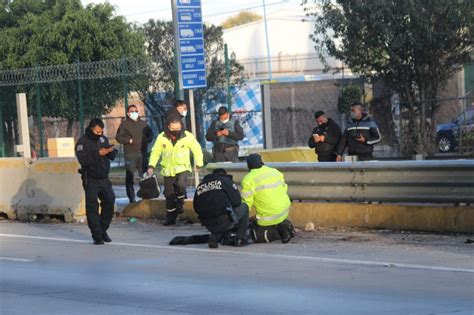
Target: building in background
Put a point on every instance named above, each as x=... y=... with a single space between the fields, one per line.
x=292 y=52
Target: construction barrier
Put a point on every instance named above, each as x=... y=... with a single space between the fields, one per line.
x=50 y=186
x=295 y=154
x=13 y=173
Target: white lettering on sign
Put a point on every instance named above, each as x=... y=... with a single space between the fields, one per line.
x=205 y=187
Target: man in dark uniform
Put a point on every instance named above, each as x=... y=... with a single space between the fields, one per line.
x=135 y=135
x=94 y=153
x=225 y=132
x=325 y=137
x=220 y=209
x=360 y=136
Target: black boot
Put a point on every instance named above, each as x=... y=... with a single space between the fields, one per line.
x=106 y=238
x=286 y=231
x=214 y=240
x=98 y=241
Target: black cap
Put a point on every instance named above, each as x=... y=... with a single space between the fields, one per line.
x=254 y=160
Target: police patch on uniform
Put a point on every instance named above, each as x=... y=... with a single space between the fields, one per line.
x=79 y=147
x=164 y=145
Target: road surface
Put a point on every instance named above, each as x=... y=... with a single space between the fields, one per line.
x=54 y=269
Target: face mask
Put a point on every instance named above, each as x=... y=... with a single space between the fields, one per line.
x=225 y=121
x=175 y=133
x=353 y=115
x=134 y=116
x=184 y=113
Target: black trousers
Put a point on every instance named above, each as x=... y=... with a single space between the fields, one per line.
x=268 y=234
x=228 y=155
x=133 y=163
x=327 y=157
x=99 y=190
x=364 y=156
x=240 y=223
x=240 y=226
x=175 y=193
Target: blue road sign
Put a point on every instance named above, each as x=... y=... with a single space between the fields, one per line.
x=189 y=15
x=188 y=19
x=191 y=46
x=193 y=62
x=194 y=79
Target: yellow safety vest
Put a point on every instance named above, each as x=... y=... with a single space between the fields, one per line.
x=266 y=190
x=175 y=159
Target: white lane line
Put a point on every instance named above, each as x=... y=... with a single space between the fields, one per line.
x=16 y=259
x=266 y=255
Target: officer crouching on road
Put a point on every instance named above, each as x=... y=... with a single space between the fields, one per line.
x=265 y=189
x=220 y=209
x=94 y=153
x=225 y=132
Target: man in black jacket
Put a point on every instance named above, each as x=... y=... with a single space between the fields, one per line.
x=220 y=209
x=325 y=137
x=135 y=135
x=94 y=153
x=225 y=132
x=360 y=136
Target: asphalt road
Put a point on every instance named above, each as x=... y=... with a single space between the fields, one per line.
x=54 y=269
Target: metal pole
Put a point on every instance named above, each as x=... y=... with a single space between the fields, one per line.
x=178 y=91
x=38 y=110
x=81 y=103
x=227 y=78
x=193 y=129
x=2 y=143
x=125 y=82
x=266 y=38
x=178 y=88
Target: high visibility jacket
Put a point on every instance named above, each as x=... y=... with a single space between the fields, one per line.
x=175 y=158
x=266 y=190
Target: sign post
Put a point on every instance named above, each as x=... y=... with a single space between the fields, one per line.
x=189 y=41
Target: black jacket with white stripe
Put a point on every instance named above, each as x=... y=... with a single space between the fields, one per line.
x=364 y=126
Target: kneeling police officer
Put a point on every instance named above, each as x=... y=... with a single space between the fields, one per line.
x=220 y=209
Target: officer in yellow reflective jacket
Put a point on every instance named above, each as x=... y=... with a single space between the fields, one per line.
x=173 y=146
x=265 y=189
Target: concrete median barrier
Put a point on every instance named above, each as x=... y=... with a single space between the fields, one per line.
x=48 y=186
x=13 y=173
x=436 y=218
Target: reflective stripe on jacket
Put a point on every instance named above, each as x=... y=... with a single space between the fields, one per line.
x=266 y=190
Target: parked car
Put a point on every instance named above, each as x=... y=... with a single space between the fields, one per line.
x=448 y=135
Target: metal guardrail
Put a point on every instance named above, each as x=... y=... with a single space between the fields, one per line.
x=445 y=181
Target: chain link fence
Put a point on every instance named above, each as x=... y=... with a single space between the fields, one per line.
x=62 y=98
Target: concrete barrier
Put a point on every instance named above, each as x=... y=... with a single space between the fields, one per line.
x=448 y=219
x=49 y=186
x=294 y=154
x=13 y=173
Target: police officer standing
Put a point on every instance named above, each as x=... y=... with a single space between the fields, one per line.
x=134 y=134
x=265 y=189
x=173 y=146
x=94 y=153
x=225 y=133
x=325 y=137
x=360 y=136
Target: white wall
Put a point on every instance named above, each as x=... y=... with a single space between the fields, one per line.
x=291 y=50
